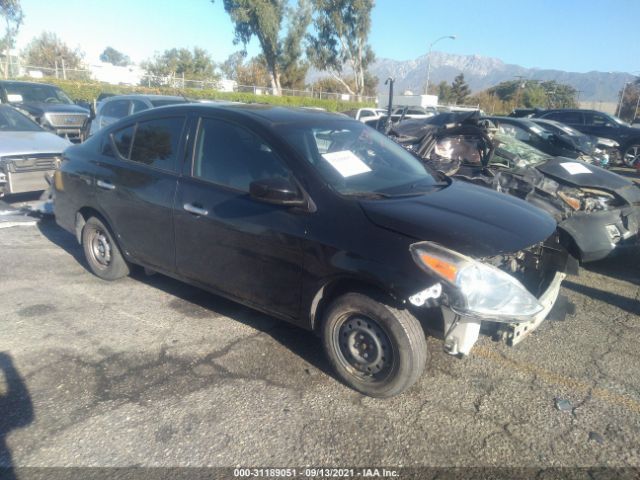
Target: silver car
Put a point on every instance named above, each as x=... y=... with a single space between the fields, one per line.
x=27 y=152
x=112 y=109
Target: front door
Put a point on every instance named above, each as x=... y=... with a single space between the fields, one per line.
x=225 y=239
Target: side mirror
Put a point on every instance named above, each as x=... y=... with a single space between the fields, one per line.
x=277 y=190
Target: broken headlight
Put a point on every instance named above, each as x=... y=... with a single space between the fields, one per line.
x=588 y=199
x=479 y=290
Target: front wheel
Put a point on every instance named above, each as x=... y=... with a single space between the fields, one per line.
x=102 y=252
x=631 y=156
x=374 y=348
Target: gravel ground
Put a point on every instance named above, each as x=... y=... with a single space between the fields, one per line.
x=149 y=371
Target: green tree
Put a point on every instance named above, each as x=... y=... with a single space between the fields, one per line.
x=49 y=51
x=293 y=69
x=115 y=57
x=332 y=85
x=534 y=93
x=263 y=19
x=460 y=91
x=11 y=13
x=192 y=65
x=342 y=32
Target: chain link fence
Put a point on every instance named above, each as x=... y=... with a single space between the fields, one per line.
x=133 y=76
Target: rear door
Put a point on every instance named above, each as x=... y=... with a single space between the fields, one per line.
x=136 y=185
x=225 y=239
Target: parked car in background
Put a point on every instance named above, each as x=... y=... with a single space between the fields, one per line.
x=567 y=143
x=318 y=220
x=598 y=212
x=600 y=124
x=47 y=105
x=604 y=149
x=27 y=152
x=362 y=114
x=115 y=107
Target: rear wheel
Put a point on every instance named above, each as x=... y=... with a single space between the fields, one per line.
x=374 y=348
x=102 y=252
x=631 y=156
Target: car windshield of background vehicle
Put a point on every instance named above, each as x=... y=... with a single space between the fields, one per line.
x=38 y=93
x=358 y=161
x=524 y=154
x=12 y=121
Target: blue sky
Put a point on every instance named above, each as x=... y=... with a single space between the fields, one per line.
x=575 y=35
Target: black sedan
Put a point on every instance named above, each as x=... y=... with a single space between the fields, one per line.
x=598 y=212
x=318 y=220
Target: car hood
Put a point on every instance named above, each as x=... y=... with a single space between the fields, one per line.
x=589 y=176
x=29 y=143
x=38 y=108
x=466 y=218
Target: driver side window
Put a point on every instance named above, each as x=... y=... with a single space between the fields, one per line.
x=233 y=156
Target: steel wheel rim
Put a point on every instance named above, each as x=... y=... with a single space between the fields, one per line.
x=100 y=249
x=632 y=155
x=363 y=347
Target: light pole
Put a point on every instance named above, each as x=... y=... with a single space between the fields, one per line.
x=621 y=99
x=452 y=37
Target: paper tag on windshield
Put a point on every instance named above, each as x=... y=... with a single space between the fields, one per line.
x=575 y=168
x=14 y=98
x=346 y=163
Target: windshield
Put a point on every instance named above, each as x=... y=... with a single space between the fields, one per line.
x=356 y=160
x=13 y=121
x=37 y=93
x=513 y=151
x=617 y=120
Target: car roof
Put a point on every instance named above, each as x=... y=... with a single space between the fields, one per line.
x=138 y=96
x=20 y=82
x=266 y=114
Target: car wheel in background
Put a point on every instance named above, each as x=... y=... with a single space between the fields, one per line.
x=631 y=155
x=102 y=252
x=374 y=348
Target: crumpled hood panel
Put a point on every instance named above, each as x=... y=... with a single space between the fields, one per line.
x=472 y=220
x=597 y=178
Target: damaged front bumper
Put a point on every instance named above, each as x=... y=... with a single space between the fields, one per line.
x=461 y=331
x=600 y=234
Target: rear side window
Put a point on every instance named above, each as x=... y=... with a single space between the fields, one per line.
x=116 y=109
x=122 y=140
x=138 y=106
x=156 y=142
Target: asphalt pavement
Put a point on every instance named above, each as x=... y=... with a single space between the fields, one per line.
x=149 y=371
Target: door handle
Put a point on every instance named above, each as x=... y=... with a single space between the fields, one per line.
x=189 y=207
x=105 y=185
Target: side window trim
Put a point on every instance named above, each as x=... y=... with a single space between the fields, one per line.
x=115 y=147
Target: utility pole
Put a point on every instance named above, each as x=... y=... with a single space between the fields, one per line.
x=64 y=72
x=520 y=86
x=451 y=37
x=619 y=109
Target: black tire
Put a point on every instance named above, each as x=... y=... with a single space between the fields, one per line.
x=356 y=326
x=102 y=252
x=631 y=155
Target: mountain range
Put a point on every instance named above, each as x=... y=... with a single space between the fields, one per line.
x=484 y=72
